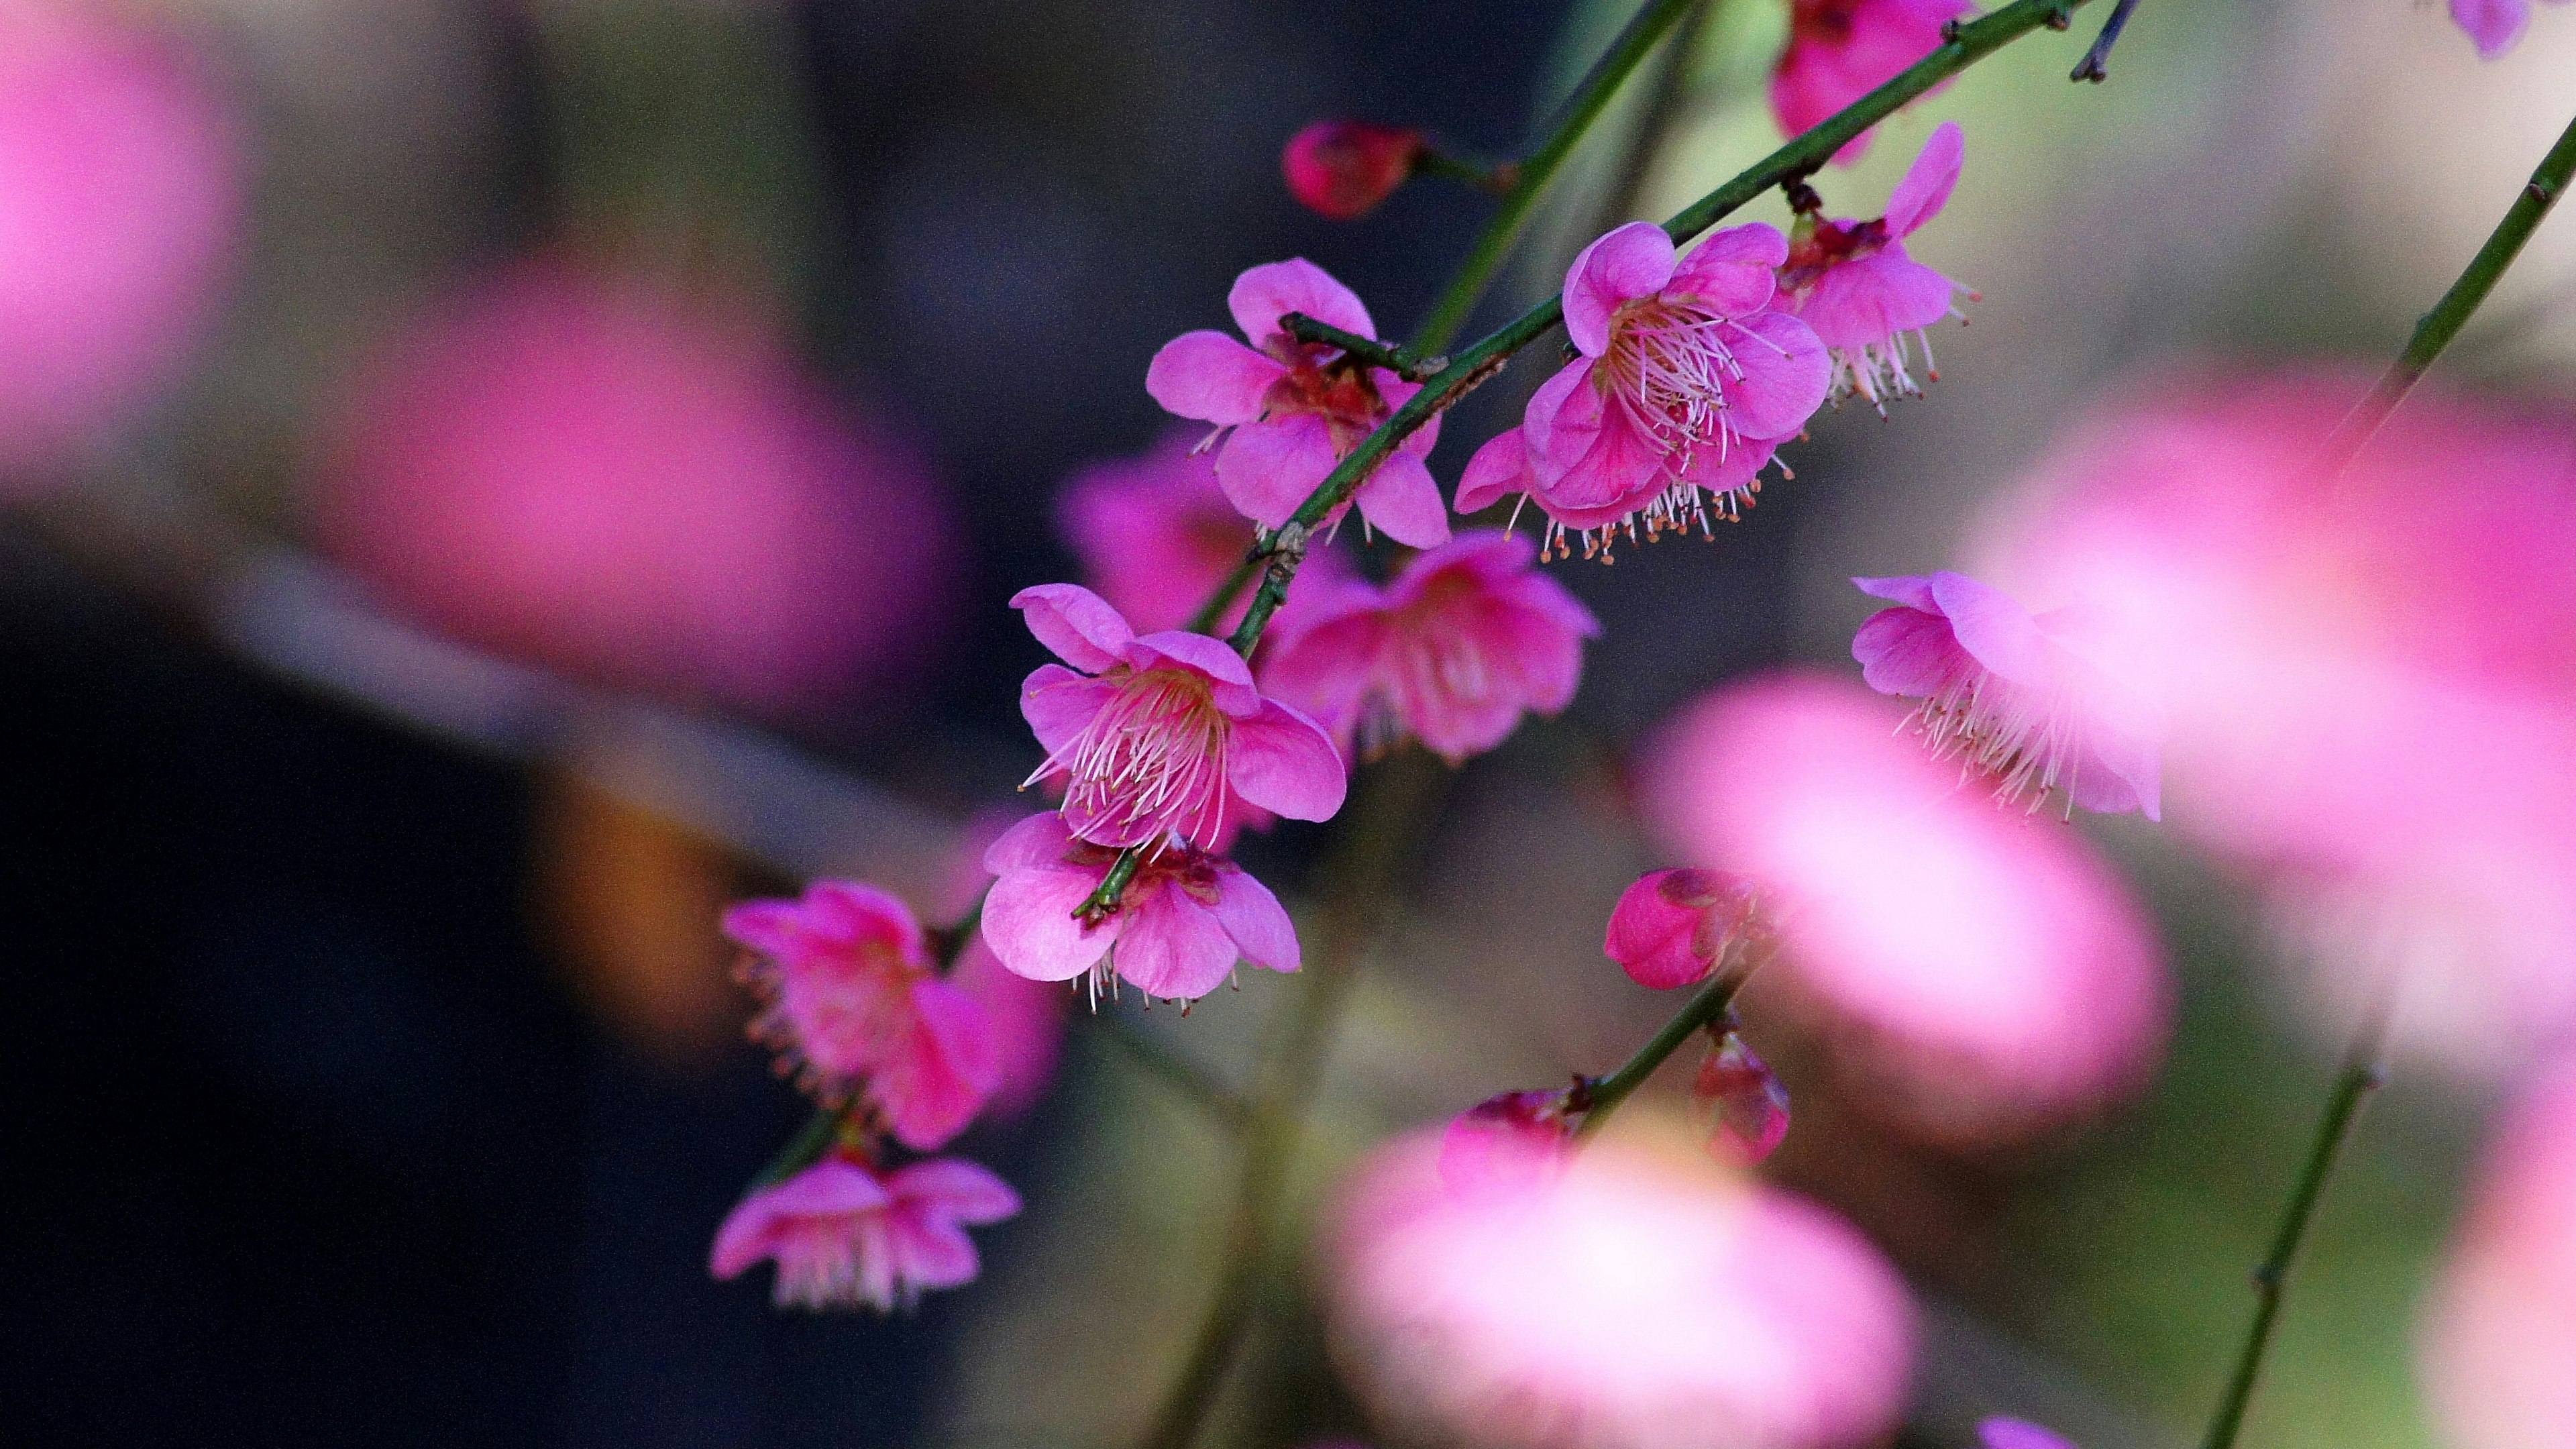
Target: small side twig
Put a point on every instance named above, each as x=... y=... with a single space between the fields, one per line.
x=1404 y=362
x=2095 y=66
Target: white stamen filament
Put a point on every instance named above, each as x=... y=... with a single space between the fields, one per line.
x=2028 y=741
x=1150 y=766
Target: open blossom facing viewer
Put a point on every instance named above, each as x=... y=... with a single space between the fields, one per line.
x=855 y=1002
x=2019 y=696
x=1687 y=382
x=1184 y=919
x=1291 y=410
x=1468 y=637
x=2496 y=25
x=1853 y=282
x=1841 y=50
x=1161 y=737
x=1343 y=169
x=844 y=1235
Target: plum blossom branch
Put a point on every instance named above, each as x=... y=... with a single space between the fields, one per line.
x=1602 y=1095
x=1404 y=362
x=2096 y=64
x=2436 y=329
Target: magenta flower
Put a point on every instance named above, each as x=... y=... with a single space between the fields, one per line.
x=1686 y=383
x=857 y=1006
x=2022 y=698
x=1185 y=918
x=1468 y=637
x=1841 y=50
x=1291 y=410
x=1672 y=927
x=1343 y=169
x=2000 y=1432
x=1854 y=283
x=2496 y=25
x=844 y=1235
x=1159 y=736
x=1741 y=1101
x=2499 y=1330
x=1509 y=1141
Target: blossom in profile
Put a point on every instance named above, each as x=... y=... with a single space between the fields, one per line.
x=1974 y=975
x=1468 y=638
x=121 y=200
x=2000 y=1432
x=1640 y=1296
x=1686 y=382
x=1184 y=920
x=1343 y=169
x=1741 y=1102
x=2023 y=699
x=1027 y=1017
x=1672 y=927
x=1156 y=537
x=844 y=1235
x=858 y=1008
x=2499 y=1329
x=1854 y=282
x=639 y=488
x=1160 y=737
x=1507 y=1142
x=1291 y=410
x=2496 y=25
x=1841 y=50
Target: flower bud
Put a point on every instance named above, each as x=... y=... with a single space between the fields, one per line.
x=1672 y=926
x=1509 y=1140
x=1741 y=1102
x=1343 y=169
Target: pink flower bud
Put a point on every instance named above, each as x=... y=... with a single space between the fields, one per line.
x=1509 y=1140
x=1742 y=1102
x=1671 y=927
x=1343 y=169
x=2002 y=1433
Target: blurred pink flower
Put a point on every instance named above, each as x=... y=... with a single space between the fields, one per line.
x=844 y=1235
x=2369 y=686
x=1841 y=50
x=1854 y=282
x=2003 y=1433
x=856 y=1004
x=1507 y=1142
x=1292 y=410
x=1343 y=169
x=2019 y=697
x=2496 y=25
x=1983 y=976
x=1156 y=536
x=1468 y=637
x=1671 y=927
x=1027 y=1017
x=1158 y=735
x=1686 y=383
x=1741 y=1102
x=1634 y=1299
x=120 y=206
x=1185 y=918
x=626 y=485
x=2499 y=1331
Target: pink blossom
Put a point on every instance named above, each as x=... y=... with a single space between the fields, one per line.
x=1156 y=536
x=1673 y=926
x=1641 y=1297
x=1291 y=410
x=1742 y=1103
x=857 y=1005
x=1184 y=919
x=1343 y=169
x=2023 y=699
x=1159 y=736
x=1506 y=1142
x=2499 y=1331
x=2496 y=25
x=843 y=1234
x=120 y=206
x=1027 y=1017
x=1468 y=637
x=1977 y=975
x=1854 y=282
x=1686 y=383
x=635 y=487
x=1841 y=50
x=2003 y=1433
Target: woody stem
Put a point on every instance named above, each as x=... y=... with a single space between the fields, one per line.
x=1606 y=1093
x=1404 y=362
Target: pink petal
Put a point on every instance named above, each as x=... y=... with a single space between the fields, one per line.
x=1651 y=935
x=1909 y=652
x=1255 y=920
x=956 y=1189
x=1059 y=704
x=1558 y=425
x=949 y=1069
x=1268 y=468
x=1401 y=501
x=843 y=910
x=1499 y=469
x=1859 y=303
x=1743 y=1102
x=931 y=1252
x=1619 y=472
x=1076 y=623
x=1201 y=654
x=1262 y=294
x=1211 y=377
x=1284 y=762
x=1324 y=669
x=1172 y=947
x=829 y=1187
x=2496 y=25
x=1786 y=376
x=1914 y=591
x=1993 y=626
x=1735 y=270
x=1029 y=924
x=2003 y=1433
x=1037 y=842
x=772 y=928
x=1928 y=182
x=1632 y=261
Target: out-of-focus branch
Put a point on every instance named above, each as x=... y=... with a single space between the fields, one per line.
x=2096 y=64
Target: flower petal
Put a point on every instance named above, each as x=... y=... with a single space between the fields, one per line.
x=1211 y=377
x=1928 y=182
x=1255 y=920
x=1401 y=501
x=1037 y=842
x=1284 y=762
x=1632 y=261
x=1735 y=270
x=1867 y=302
x=1262 y=294
x=1059 y=704
x=1786 y=376
x=1079 y=625
x=1993 y=627
x=1172 y=946
x=1029 y=923
x=1499 y=469
x=1909 y=652
x=1268 y=468
x=955 y=1189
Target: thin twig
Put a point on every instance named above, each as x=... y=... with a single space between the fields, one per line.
x=1603 y=1095
x=2095 y=66
x=1404 y=362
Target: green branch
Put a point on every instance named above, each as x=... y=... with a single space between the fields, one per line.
x=1404 y=362
x=1604 y=1094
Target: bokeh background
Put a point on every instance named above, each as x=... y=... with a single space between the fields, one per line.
x=511 y=477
